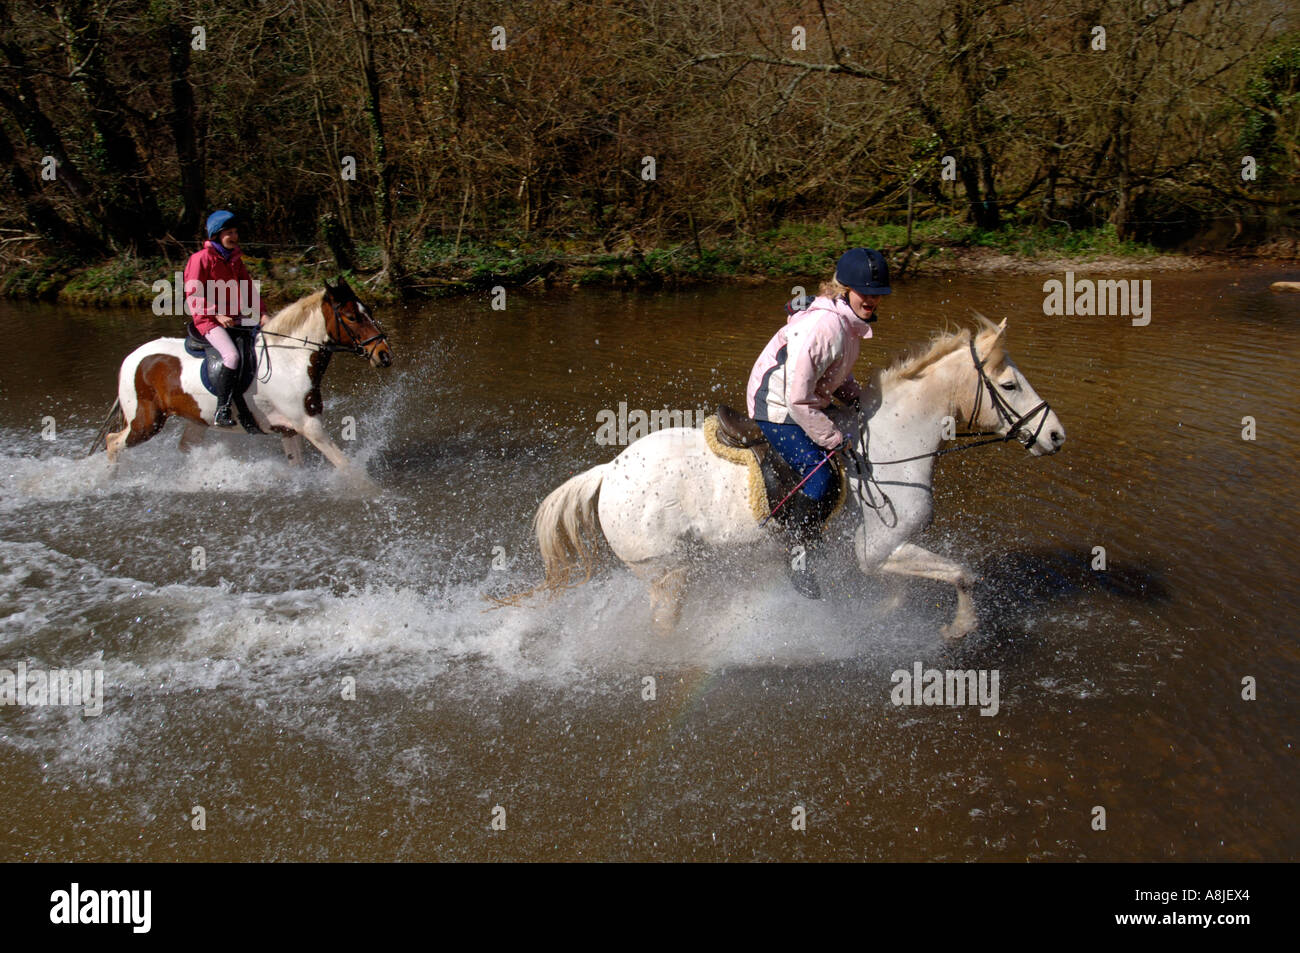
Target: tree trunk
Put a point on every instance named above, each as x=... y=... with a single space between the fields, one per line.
x=383 y=173
x=184 y=130
x=131 y=214
x=981 y=187
x=40 y=213
x=24 y=105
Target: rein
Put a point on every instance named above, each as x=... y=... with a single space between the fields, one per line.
x=863 y=464
x=329 y=346
x=306 y=344
x=1006 y=414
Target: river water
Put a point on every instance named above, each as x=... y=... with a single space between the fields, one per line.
x=224 y=678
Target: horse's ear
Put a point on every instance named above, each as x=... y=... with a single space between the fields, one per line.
x=986 y=326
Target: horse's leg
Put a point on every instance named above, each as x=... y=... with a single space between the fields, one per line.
x=314 y=430
x=292 y=444
x=148 y=419
x=892 y=600
x=158 y=394
x=114 y=443
x=666 y=599
x=191 y=436
x=911 y=560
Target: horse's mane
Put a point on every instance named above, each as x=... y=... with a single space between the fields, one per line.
x=294 y=318
x=915 y=362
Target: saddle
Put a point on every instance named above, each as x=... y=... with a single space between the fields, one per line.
x=739 y=433
x=245 y=339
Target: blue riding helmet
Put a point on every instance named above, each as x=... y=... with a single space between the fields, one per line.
x=219 y=220
x=865 y=271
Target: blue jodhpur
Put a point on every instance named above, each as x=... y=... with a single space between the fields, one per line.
x=797 y=449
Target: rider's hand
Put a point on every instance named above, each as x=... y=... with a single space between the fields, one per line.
x=224 y=321
x=846 y=442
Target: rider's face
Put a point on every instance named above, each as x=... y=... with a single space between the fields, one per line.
x=229 y=237
x=864 y=306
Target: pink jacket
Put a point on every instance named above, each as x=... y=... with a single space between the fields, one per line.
x=206 y=265
x=805 y=363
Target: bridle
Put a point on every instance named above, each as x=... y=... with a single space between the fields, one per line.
x=862 y=464
x=354 y=345
x=1006 y=413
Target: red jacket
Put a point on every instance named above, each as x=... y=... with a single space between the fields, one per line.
x=204 y=301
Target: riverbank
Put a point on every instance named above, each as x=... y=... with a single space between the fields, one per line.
x=440 y=267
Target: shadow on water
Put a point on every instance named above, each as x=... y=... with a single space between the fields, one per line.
x=1019 y=581
x=463 y=449
x=1015 y=589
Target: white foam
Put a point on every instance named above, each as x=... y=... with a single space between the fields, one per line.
x=184 y=634
x=219 y=464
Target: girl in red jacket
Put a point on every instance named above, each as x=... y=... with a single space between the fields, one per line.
x=218 y=293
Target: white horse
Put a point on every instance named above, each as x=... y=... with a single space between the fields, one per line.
x=161 y=379
x=669 y=488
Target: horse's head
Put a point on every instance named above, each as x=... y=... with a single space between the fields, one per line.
x=350 y=325
x=1001 y=400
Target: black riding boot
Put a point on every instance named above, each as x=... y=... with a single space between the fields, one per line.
x=804 y=531
x=223 y=382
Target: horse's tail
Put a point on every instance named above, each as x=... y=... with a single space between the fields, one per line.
x=566 y=525
x=114 y=413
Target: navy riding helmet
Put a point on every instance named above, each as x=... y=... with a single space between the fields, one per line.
x=864 y=270
x=219 y=220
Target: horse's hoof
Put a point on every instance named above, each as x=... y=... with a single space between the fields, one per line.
x=889 y=604
x=357 y=481
x=956 y=631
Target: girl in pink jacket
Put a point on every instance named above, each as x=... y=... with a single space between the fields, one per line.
x=806 y=363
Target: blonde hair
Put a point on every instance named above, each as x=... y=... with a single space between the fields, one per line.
x=832 y=288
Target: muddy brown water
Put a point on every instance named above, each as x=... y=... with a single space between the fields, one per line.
x=223 y=685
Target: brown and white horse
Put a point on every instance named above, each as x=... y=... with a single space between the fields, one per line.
x=161 y=379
